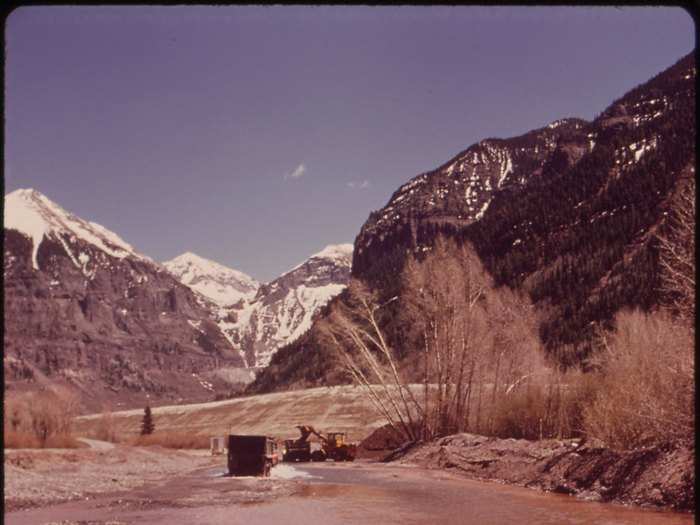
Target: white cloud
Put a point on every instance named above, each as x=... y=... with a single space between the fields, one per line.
x=297 y=173
x=359 y=185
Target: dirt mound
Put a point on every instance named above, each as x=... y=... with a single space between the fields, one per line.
x=381 y=443
x=655 y=476
x=384 y=438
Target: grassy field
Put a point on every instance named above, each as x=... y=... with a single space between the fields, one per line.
x=340 y=408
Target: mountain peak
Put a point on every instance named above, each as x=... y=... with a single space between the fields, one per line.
x=34 y=215
x=339 y=253
x=193 y=258
x=217 y=282
x=334 y=251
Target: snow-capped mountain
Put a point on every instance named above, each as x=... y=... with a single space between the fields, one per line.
x=218 y=283
x=284 y=308
x=83 y=309
x=34 y=215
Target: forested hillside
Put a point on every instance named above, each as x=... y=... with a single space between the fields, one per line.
x=569 y=215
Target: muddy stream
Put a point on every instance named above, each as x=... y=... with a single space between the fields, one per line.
x=330 y=494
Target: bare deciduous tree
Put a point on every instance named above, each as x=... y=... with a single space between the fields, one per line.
x=677 y=254
x=51 y=413
x=478 y=344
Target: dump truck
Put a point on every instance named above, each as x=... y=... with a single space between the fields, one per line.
x=298 y=449
x=333 y=446
x=251 y=455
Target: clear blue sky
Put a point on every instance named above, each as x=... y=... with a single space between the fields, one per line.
x=255 y=136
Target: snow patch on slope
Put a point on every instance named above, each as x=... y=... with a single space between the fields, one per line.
x=285 y=308
x=506 y=168
x=34 y=215
x=299 y=306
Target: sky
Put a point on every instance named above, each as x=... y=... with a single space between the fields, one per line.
x=255 y=136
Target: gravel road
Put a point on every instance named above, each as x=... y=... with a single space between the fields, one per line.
x=96 y=444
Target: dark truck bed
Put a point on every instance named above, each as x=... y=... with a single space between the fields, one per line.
x=251 y=455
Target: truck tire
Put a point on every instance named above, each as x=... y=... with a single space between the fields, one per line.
x=318 y=455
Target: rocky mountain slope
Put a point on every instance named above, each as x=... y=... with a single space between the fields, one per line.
x=460 y=191
x=218 y=283
x=583 y=241
x=257 y=318
x=84 y=310
x=284 y=308
x=567 y=214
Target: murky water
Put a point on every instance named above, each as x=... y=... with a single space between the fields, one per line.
x=423 y=497
x=344 y=494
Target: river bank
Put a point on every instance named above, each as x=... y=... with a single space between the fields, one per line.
x=660 y=477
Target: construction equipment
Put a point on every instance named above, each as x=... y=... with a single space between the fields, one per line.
x=298 y=449
x=333 y=445
x=251 y=455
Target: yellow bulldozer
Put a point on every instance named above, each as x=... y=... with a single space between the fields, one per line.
x=333 y=445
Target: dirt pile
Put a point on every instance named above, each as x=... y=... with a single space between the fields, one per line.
x=655 y=476
x=379 y=443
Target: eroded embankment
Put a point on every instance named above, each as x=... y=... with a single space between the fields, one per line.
x=654 y=476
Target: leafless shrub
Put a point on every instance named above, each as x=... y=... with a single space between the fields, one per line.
x=16 y=431
x=40 y=419
x=371 y=361
x=64 y=441
x=19 y=439
x=51 y=413
x=106 y=427
x=550 y=406
x=646 y=391
x=677 y=254
x=177 y=440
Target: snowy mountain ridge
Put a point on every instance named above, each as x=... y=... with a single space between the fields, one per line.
x=341 y=253
x=36 y=216
x=284 y=308
x=218 y=283
x=84 y=310
x=251 y=318
x=256 y=318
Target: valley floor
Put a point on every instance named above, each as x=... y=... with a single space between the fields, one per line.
x=153 y=485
